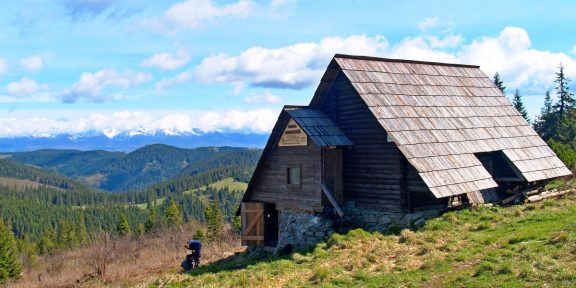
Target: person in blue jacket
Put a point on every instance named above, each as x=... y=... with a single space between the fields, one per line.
x=192 y=260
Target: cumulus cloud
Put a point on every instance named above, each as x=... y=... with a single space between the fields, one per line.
x=295 y=66
x=141 y=122
x=428 y=23
x=33 y=63
x=301 y=65
x=24 y=87
x=510 y=54
x=191 y=14
x=167 y=61
x=91 y=86
x=265 y=98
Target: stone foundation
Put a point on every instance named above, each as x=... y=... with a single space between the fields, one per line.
x=301 y=228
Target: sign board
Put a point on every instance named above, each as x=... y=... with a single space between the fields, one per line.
x=293 y=135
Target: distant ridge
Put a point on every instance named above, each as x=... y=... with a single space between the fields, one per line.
x=129 y=141
x=148 y=165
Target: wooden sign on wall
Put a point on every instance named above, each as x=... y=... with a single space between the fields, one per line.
x=293 y=135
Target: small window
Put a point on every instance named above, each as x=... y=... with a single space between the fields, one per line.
x=294 y=176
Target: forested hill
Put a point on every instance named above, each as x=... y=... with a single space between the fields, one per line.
x=115 y=171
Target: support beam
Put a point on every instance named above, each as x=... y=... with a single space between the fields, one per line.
x=332 y=200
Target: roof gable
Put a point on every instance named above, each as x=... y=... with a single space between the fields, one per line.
x=439 y=115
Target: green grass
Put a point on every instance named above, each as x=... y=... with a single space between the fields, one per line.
x=533 y=245
x=229 y=183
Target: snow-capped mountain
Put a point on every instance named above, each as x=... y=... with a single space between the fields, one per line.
x=112 y=140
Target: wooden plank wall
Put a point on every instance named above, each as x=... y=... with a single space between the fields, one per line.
x=272 y=188
x=418 y=195
x=372 y=168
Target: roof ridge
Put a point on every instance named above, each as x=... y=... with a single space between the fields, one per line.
x=372 y=58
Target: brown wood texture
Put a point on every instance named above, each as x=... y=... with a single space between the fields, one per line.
x=252 y=223
x=371 y=168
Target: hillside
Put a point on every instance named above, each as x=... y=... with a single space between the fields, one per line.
x=72 y=163
x=116 y=171
x=530 y=245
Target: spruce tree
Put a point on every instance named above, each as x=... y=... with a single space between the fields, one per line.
x=172 y=215
x=215 y=221
x=565 y=98
x=151 y=222
x=499 y=83
x=123 y=227
x=545 y=124
x=9 y=267
x=519 y=105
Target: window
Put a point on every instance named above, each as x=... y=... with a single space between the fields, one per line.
x=294 y=176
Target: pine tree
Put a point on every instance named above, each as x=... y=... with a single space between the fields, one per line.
x=499 y=83
x=123 y=227
x=215 y=221
x=519 y=105
x=545 y=124
x=151 y=222
x=9 y=267
x=172 y=215
x=82 y=233
x=565 y=98
x=199 y=235
x=140 y=229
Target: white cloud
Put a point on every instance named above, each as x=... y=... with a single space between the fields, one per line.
x=180 y=78
x=167 y=61
x=573 y=50
x=521 y=66
x=295 y=66
x=265 y=98
x=191 y=14
x=301 y=65
x=24 y=87
x=428 y=23
x=3 y=66
x=139 y=122
x=33 y=63
x=91 y=86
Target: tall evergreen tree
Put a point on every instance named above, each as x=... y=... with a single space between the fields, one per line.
x=519 y=105
x=9 y=267
x=151 y=222
x=565 y=98
x=545 y=124
x=499 y=83
x=215 y=221
x=172 y=215
x=123 y=227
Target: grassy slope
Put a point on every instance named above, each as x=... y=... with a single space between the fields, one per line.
x=532 y=245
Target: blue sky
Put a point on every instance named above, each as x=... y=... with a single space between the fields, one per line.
x=71 y=66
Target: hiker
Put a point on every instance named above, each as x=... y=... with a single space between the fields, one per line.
x=192 y=260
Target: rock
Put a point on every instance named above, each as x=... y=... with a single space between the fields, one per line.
x=419 y=223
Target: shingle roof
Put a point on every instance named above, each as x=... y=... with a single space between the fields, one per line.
x=318 y=127
x=440 y=114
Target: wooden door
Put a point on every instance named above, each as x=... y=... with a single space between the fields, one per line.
x=252 y=223
x=332 y=173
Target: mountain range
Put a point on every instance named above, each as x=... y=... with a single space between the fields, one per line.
x=151 y=164
x=131 y=140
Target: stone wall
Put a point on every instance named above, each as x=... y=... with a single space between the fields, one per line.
x=300 y=228
x=373 y=220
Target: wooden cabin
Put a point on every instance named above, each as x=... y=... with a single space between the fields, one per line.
x=390 y=137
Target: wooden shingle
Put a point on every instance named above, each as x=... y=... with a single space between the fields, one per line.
x=439 y=115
